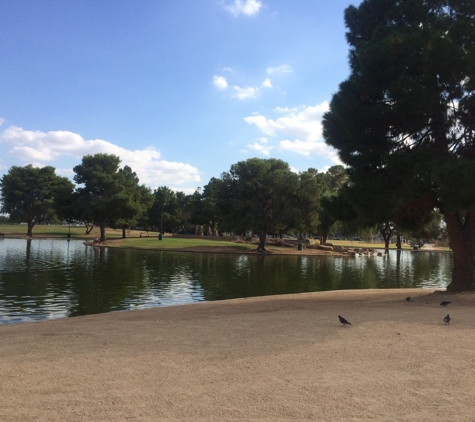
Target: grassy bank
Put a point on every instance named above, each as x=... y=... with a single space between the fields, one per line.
x=19 y=230
x=149 y=240
x=169 y=242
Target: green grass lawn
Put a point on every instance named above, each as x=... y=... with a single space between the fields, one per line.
x=176 y=243
x=134 y=240
x=60 y=231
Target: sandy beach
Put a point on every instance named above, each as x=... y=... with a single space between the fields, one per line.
x=272 y=358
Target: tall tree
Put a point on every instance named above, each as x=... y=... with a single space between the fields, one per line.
x=330 y=183
x=105 y=191
x=204 y=209
x=407 y=114
x=303 y=206
x=138 y=199
x=264 y=196
x=33 y=194
x=164 y=214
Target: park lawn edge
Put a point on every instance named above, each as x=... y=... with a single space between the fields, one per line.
x=114 y=239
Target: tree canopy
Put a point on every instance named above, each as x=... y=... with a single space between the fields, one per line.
x=404 y=120
x=166 y=211
x=138 y=199
x=109 y=194
x=31 y=194
x=265 y=196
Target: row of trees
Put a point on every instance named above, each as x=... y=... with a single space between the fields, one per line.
x=105 y=195
x=263 y=196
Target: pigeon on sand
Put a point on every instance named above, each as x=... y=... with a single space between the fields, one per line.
x=444 y=303
x=343 y=321
x=447 y=319
x=409 y=299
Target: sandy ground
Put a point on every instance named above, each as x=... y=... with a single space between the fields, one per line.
x=273 y=358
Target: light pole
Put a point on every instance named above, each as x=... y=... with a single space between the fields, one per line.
x=160 y=237
x=161 y=219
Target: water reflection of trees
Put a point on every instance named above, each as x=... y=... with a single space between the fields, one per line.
x=229 y=276
x=44 y=278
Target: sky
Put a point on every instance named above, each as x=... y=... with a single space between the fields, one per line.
x=180 y=90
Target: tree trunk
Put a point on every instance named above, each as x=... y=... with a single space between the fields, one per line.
x=323 y=238
x=29 y=232
x=102 y=226
x=398 y=242
x=88 y=229
x=386 y=232
x=262 y=241
x=461 y=230
x=123 y=233
x=28 y=250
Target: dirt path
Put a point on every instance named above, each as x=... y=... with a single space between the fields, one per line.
x=274 y=358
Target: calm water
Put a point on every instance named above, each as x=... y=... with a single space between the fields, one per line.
x=47 y=279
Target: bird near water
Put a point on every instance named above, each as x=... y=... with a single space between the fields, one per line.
x=343 y=321
x=444 y=303
x=447 y=319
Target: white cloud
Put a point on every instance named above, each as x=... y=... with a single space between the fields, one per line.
x=263 y=140
x=308 y=148
x=245 y=93
x=220 y=82
x=262 y=123
x=247 y=7
x=263 y=149
x=1 y=121
x=267 y=83
x=39 y=147
x=285 y=68
x=302 y=123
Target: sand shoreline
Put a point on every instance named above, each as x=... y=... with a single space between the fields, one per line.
x=266 y=358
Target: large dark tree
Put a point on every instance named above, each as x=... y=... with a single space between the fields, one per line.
x=406 y=114
x=107 y=194
x=32 y=195
x=330 y=183
x=204 y=209
x=137 y=200
x=165 y=213
x=265 y=196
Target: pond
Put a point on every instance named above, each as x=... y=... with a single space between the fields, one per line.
x=45 y=279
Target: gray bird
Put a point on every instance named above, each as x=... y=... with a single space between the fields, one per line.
x=447 y=319
x=408 y=299
x=445 y=303
x=343 y=321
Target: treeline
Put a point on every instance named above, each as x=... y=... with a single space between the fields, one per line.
x=259 y=195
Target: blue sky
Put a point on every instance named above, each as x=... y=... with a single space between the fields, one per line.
x=179 y=89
